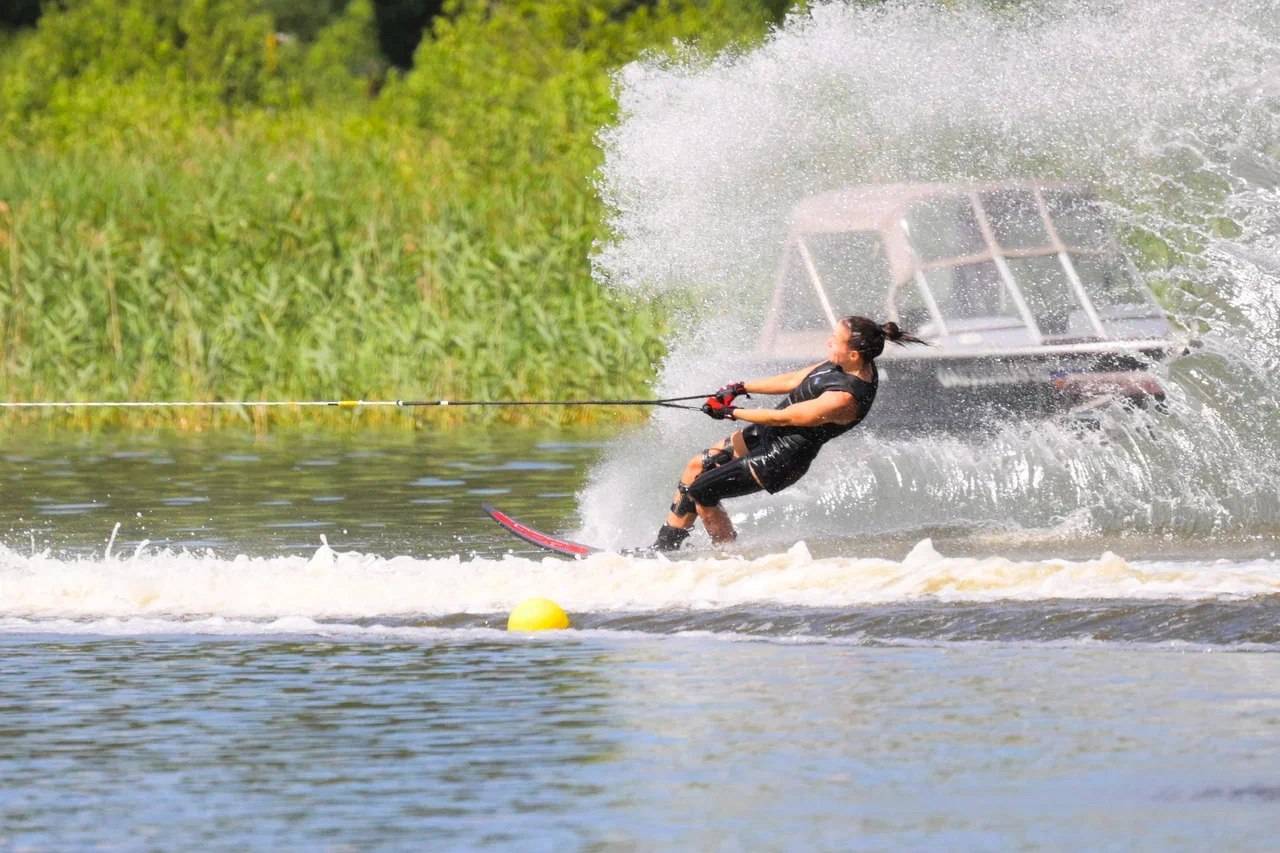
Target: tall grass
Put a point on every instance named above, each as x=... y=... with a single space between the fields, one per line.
x=169 y=233
x=281 y=265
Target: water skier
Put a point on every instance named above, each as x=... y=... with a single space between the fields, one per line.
x=823 y=401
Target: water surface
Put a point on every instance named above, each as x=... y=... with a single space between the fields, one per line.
x=223 y=677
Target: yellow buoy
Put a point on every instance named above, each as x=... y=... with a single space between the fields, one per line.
x=537 y=614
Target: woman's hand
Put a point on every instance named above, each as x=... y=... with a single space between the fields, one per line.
x=718 y=409
x=727 y=394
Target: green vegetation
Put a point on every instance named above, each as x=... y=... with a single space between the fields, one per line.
x=193 y=206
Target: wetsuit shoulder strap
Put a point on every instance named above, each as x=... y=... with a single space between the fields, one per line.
x=814 y=383
x=863 y=390
x=833 y=378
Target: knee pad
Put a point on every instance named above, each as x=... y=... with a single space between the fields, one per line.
x=716 y=458
x=685 y=505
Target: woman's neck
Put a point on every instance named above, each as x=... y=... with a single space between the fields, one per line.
x=855 y=365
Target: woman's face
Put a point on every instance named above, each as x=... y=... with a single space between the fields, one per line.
x=838 y=350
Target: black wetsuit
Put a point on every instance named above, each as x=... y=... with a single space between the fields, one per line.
x=780 y=455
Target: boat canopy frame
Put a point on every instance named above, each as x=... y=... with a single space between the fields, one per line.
x=885 y=211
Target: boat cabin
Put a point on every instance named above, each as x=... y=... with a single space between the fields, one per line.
x=1028 y=301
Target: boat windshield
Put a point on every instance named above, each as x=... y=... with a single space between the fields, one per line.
x=957 y=263
x=1108 y=278
x=1022 y=238
x=851 y=271
x=1019 y=256
x=1011 y=264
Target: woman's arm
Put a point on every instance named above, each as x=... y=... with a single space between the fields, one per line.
x=783 y=383
x=831 y=407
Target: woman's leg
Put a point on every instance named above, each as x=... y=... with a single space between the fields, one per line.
x=684 y=512
x=732 y=480
x=717 y=524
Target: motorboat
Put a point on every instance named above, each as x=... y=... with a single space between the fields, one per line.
x=1031 y=307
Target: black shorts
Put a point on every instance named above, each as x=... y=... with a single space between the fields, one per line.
x=730 y=480
x=777 y=460
x=770 y=465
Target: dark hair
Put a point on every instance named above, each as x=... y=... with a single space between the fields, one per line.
x=867 y=337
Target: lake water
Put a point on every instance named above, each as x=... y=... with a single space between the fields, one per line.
x=1033 y=638
x=222 y=677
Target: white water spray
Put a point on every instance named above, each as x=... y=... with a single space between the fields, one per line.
x=1169 y=108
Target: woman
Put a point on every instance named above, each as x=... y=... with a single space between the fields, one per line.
x=823 y=401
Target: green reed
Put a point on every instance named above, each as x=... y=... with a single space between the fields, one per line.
x=192 y=208
x=321 y=265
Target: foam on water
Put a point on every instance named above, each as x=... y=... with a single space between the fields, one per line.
x=348 y=585
x=1170 y=108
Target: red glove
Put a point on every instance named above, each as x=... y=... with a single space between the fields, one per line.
x=717 y=408
x=729 y=392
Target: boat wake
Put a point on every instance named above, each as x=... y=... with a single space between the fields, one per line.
x=357 y=588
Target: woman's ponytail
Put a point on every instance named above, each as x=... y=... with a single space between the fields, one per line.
x=899 y=337
x=867 y=337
